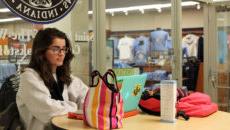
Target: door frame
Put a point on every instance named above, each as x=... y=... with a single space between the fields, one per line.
x=210 y=51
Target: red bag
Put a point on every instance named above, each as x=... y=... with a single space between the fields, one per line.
x=150 y=106
x=196 y=98
x=197 y=105
x=150 y=100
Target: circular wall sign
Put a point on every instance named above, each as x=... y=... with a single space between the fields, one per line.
x=40 y=11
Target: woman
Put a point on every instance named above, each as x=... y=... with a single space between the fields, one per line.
x=46 y=87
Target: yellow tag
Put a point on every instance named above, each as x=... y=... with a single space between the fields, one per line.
x=137 y=89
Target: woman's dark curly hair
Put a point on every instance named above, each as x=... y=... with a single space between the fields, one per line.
x=40 y=64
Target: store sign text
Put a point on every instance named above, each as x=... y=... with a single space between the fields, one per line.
x=5 y=51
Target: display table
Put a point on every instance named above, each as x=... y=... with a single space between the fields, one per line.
x=217 y=121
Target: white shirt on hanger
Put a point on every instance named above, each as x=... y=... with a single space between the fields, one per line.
x=126 y=46
x=190 y=41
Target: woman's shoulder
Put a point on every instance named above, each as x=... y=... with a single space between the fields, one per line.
x=75 y=78
x=28 y=72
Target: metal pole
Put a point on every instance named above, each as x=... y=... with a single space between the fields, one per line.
x=176 y=14
x=99 y=44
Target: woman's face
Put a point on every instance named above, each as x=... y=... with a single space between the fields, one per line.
x=55 y=53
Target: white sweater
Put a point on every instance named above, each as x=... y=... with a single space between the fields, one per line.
x=35 y=105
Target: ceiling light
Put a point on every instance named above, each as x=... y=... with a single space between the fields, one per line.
x=10 y=19
x=4 y=10
x=198 y=6
x=159 y=10
x=126 y=12
x=112 y=13
x=142 y=11
x=90 y=12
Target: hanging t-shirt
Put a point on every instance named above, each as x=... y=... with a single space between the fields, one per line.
x=228 y=41
x=126 y=46
x=169 y=43
x=115 y=45
x=190 y=42
x=223 y=48
x=200 y=54
x=159 y=40
x=141 y=49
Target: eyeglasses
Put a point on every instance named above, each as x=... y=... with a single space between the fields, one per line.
x=58 y=50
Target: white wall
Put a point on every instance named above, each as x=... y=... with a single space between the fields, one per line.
x=191 y=18
x=64 y=24
x=140 y=21
x=17 y=27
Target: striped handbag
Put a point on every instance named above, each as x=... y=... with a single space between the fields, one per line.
x=103 y=106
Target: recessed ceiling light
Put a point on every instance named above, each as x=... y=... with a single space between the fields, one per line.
x=10 y=19
x=4 y=10
x=142 y=11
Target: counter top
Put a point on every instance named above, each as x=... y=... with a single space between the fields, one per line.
x=217 y=121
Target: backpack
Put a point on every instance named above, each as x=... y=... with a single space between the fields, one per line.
x=194 y=105
x=9 y=115
x=197 y=105
x=150 y=100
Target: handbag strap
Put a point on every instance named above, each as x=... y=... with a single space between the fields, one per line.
x=94 y=74
x=113 y=75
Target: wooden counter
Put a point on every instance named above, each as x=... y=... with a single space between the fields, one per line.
x=217 y=121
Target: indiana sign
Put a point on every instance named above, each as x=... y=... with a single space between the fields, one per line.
x=40 y=11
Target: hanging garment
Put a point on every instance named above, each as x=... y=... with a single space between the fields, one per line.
x=159 y=39
x=169 y=44
x=141 y=50
x=190 y=41
x=126 y=46
x=223 y=49
x=200 y=54
x=190 y=73
x=115 y=46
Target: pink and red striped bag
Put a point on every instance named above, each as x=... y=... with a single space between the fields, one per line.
x=103 y=106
